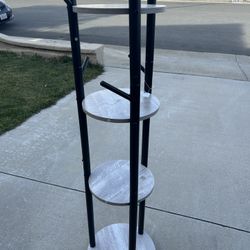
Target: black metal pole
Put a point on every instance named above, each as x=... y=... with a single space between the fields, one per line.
x=150 y=38
x=77 y=65
x=135 y=71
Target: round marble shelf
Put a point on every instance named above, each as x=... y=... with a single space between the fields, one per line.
x=107 y=106
x=116 y=9
x=115 y=237
x=110 y=182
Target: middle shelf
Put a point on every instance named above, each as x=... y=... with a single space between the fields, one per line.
x=107 y=106
x=110 y=182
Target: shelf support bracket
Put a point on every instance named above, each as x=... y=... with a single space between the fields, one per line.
x=84 y=67
x=142 y=68
x=85 y=64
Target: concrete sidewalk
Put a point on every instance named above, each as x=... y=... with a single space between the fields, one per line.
x=199 y=155
x=225 y=66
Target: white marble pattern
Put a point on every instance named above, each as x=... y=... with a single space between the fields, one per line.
x=115 y=237
x=109 y=182
x=116 y=8
x=107 y=106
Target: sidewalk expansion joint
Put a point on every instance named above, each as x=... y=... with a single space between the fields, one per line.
x=199 y=219
x=148 y=207
x=189 y=74
x=42 y=182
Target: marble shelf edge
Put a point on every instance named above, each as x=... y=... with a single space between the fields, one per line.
x=116 y=9
x=107 y=106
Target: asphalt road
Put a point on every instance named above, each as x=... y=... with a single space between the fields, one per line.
x=203 y=27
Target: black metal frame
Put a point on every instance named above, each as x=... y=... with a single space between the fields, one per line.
x=78 y=75
x=133 y=97
x=135 y=82
x=149 y=64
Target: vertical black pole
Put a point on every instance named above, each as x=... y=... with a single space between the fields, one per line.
x=150 y=38
x=77 y=64
x=135 y=64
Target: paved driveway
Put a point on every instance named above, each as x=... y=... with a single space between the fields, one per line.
x=204 y=27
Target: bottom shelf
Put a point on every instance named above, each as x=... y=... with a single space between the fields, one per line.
x=115 y=237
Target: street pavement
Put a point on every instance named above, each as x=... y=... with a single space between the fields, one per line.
x=202 y=27
x=199 y=155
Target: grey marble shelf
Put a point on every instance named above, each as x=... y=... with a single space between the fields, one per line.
x=110 y=183
x=115 y=237
x=115 y=9
x=107 y=106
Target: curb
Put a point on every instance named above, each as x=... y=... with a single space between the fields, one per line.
x=49 y=47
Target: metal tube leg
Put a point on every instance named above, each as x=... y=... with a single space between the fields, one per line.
x=150 y=38
x=76 y=58
x=144 y=161
x=135 y=65
x=86 y=166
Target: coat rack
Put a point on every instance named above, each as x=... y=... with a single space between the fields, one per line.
x=118 y=182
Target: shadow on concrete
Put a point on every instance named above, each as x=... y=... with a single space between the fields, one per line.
x=217 y=38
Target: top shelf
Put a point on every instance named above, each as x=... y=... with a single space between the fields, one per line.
x=115 y=9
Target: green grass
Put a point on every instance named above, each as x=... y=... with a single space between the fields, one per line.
x=31 y=83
